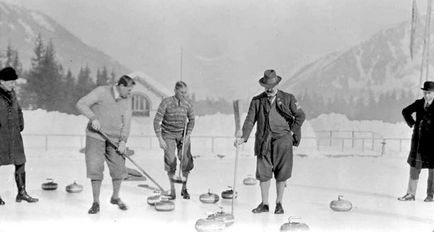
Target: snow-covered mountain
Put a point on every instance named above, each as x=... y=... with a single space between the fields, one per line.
x=19 y=27
x=378 y=65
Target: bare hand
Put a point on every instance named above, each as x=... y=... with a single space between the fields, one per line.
x=163 y=144
x=239 y=141
x=122 y=148
x=96 y=125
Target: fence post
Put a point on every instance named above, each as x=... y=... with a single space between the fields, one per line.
x=212 y=144
x=46 y=142
x=400 y=145
x=383 y=147
x=343 y=144
x=150 y=142
x=373 y=141
x=363 y=144
x=352 y=139
x=331 y=137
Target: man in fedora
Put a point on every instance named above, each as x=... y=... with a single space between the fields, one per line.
x=11 y=125
x=279 y=118
x=422 y=146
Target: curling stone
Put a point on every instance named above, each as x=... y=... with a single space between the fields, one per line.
x=164 y=204
x=341 y=205
x=228 y=194
x=249 y=180
x=153 y=199
x=209 y=225
x=227 y=218
x=209 y=198
x=294 y=226
x=49 y=186
x=74 y=188
x=134 y=172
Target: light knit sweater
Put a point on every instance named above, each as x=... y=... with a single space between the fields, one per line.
x=114 y=114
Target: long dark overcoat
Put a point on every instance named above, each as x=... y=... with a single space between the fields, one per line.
x=422 y=141
x=11 y=125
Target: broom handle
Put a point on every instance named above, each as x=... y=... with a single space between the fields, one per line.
x=182 y=148
x=105 y=136
x=236 y=106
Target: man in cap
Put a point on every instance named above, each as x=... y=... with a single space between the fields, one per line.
x=108 y=109
x=422 y=146
x=11 y=126
x=279 y=118
x=173 y=125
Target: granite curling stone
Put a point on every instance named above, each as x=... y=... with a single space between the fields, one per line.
x=294 y=226
x=209 y=198
x=50 y=185
x=341 y=205
x=74 y=188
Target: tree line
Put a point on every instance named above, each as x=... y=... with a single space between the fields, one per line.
x=47 y=85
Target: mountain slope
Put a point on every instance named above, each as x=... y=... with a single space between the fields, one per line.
x=19 y=27
x=376 y=66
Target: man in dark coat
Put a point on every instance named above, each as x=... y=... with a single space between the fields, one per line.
x=11 y=125
x=422 y=147
x=279 y=118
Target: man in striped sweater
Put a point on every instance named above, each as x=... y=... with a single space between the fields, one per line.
x=173 y=124
x=108 y=109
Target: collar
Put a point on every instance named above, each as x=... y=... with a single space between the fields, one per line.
x=116 y=94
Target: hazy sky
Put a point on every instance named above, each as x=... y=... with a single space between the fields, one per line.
x=223 y=40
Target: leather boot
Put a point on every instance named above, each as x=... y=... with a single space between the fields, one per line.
x=20 y=179
x=1 y=201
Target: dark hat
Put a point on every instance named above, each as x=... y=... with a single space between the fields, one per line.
x=428 y=86
x=270 y=79
x=8 y=74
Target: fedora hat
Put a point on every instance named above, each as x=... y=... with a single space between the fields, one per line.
x=428 y=86
x=270 y=79
x=8 y=74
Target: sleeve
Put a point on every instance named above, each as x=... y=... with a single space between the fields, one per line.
x=83 y=105
x=191 y=120
x=407 y=114
x=159 y=117
x=126 y=123
x=20 y=118
x=299 y=117
x=250 y=120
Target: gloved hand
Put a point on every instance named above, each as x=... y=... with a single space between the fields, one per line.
x=122 y=147
x=96 y=125
x=239 y=141
x=295 y=140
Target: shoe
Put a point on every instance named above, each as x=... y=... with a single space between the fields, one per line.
x=185 y=194
x=1 y=201
x=22 y=195
x=407 y=197
x=279 y=208
x=429 y=198
x=261 y=208
x=171 y=195
x=119 y=202
x=94 y=209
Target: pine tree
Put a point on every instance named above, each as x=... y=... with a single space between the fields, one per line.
x=84 y=83
x=102 y=77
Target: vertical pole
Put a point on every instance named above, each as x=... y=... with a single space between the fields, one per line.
x=180 y=64
x=46 y=142
x=331 y=137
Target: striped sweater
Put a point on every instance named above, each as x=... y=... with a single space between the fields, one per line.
x=171 y=117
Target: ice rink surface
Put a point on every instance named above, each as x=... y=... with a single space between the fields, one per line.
x=372 y=184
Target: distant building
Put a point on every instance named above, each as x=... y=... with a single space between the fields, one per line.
x=147 y=95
